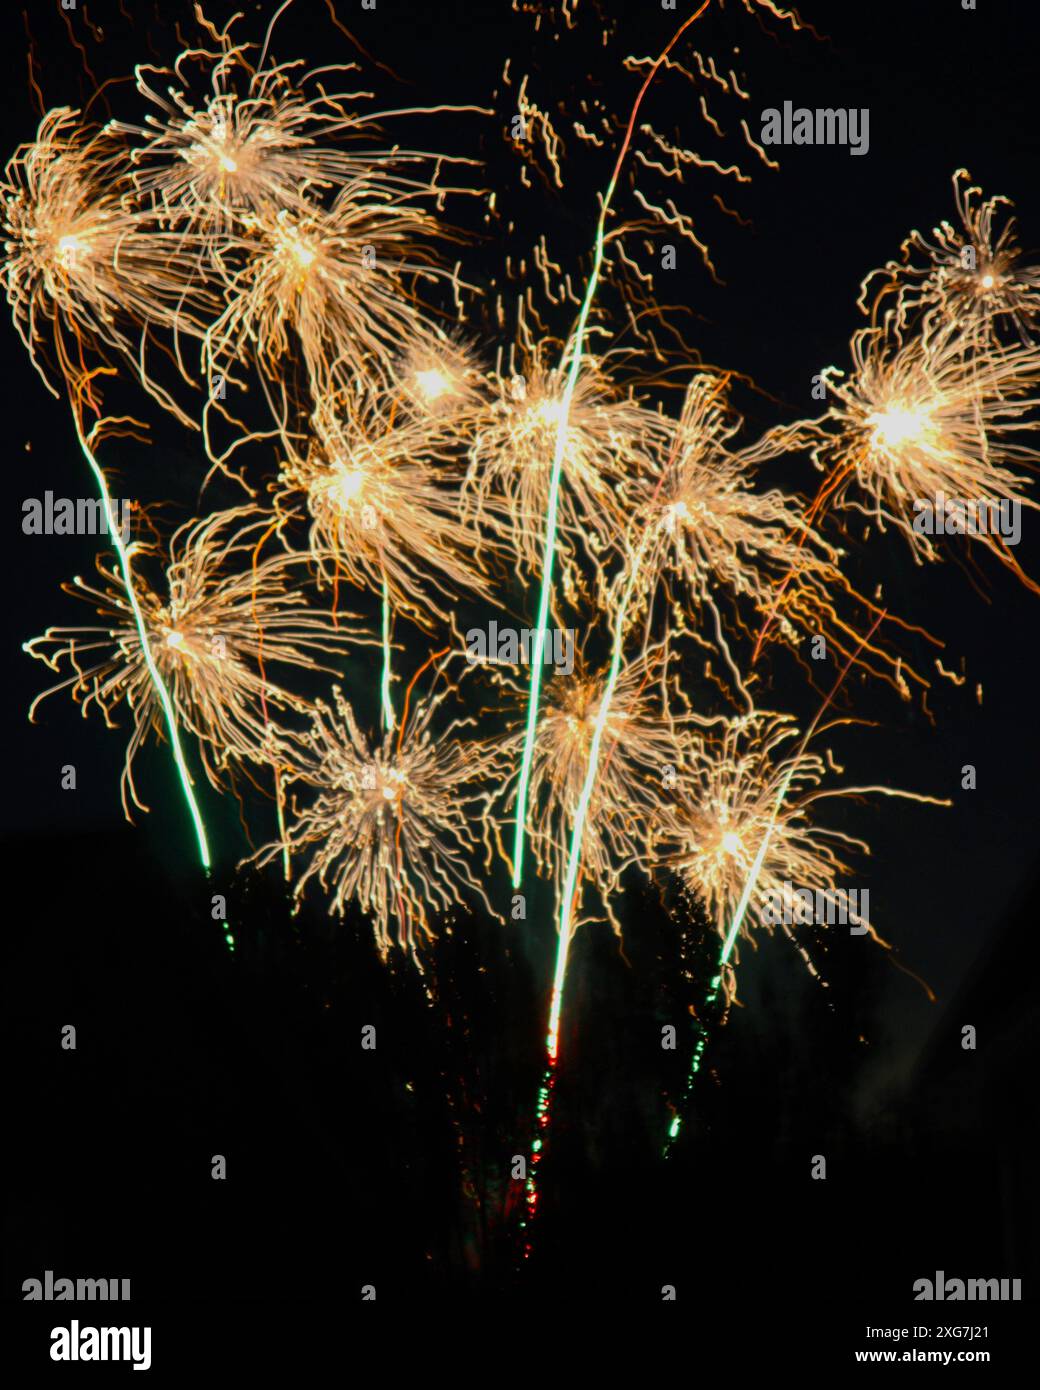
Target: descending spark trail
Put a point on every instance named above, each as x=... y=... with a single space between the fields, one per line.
x=557 y=469
x=749 y=888
x=727 y=948
x=570 y=882
x=146 y=651
x=591 y=773
x=543 y=1114
x=388 y=707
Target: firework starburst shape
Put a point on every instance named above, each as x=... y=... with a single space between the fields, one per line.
x=269 y=239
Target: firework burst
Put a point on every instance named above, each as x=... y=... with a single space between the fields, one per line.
x=384 y=506
x=443 y=381
x=227 y=616
x=393 y=824
x=931 y=416
x=81 y=259
x=747 y=804
x=339 y=286
x=974 y=275
x=511 y=463
x=646 y=745
x=696 y=519
x=249 y=143
x=229 y=138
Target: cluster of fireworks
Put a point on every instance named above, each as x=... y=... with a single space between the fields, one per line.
x=250 y=242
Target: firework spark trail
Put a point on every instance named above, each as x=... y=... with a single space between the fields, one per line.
x=592 y=771
x=749 y=887
x=558 y=457
x=543 y=1119
x=388 y=707
x=570 y=882
x=74 y=252
x=213 y=632
x=146 y=650
x=543 y=1113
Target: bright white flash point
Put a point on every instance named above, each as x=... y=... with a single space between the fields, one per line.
x=69 y=246
x=433 y=383
x=349 y=486
x=899 y=425
x=304 y=254
x=549 y=412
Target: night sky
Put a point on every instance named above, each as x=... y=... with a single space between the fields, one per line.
x=344 y=1167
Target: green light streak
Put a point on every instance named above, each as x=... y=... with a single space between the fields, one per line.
x=146 y=651
x=547 y=568
x=756 y=869
x=388 y=708
x=726 y=952
x=557 y=469
x=550 y=540
x=578 y=830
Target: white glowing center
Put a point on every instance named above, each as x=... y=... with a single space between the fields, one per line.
x=549 y=412
x=302 y=253
x=432 y=383
x=349 y=485
x=69 y=247
x=731 y=843
x=396 y=780
x=899 y=425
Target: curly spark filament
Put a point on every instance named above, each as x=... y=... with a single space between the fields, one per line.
x=557 y=467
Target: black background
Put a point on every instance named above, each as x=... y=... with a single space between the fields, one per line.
x=342 y=1167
